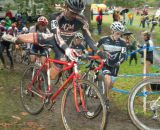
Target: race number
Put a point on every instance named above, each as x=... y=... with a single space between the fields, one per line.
x=123 y=50
x=54 y=24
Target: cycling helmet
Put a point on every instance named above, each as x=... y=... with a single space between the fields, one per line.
x=3 y=21
x=76 y=6
x=117 y=27
x=42 y=20
x=79 y=35
x=25 y=30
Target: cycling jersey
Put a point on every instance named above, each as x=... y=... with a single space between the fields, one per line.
x=37 y=48
x=64 y=30
x=116 y=50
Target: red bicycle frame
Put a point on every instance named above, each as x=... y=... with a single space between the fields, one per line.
x=74 y=76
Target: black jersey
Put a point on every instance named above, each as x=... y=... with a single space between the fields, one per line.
x=65 y=29
x=117 y=50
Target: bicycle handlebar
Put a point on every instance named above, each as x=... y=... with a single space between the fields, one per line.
x=94 y=58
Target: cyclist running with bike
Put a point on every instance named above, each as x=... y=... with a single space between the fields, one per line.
x=64 y=26
x=116 y=49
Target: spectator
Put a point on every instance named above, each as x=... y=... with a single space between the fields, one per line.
x=132 y=48
x=154 y=22
x=24 y=18
x=18 y=16
x=99 y=23
x=8 y=22
x=19 y=25
x=149 y=43
x=142 y=21
x=130 y=18
x=116 y=16
x=9 y=14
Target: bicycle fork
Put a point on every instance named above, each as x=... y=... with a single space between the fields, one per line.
x=80 y=91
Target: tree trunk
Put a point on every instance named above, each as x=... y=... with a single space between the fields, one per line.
x=87 y=13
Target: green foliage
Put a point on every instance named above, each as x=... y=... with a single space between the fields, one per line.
x=126 y=3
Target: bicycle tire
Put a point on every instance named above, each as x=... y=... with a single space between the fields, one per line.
x=79 y=117
x=135 y=113
x=100 y=85
x=37 y=105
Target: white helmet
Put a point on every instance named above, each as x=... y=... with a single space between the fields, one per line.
x=79 y=35
x=25 y=30
x=117 y=27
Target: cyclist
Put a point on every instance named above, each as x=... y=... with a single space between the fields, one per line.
x=78 y=43
x=116 y=49
x=7 y=45
x=2 y=31
x=40 y=26
x=64 y=26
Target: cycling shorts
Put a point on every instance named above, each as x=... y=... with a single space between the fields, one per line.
x=112 y=71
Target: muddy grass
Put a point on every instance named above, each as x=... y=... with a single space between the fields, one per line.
x=14 y=117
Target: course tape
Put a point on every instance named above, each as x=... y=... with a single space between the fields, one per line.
x=142 y=94
x=145 y=47
x=134 y=75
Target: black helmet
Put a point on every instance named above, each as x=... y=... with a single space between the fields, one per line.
x=76 y=6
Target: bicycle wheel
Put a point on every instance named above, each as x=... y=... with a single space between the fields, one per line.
x=98 y=81
x=144 y=104
x=73 y=120
x=33 y=100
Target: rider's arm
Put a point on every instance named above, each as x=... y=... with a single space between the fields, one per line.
x=54 y=26
x=86 y=33
x=88 y=38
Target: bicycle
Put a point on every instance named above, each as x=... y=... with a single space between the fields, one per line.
x=37 y=94
x=144 y=104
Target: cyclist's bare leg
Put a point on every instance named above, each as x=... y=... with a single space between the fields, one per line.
x=33 y=58
x=54 y=72
x=108 y=85
x=43 y=58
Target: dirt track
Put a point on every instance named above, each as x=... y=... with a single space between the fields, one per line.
x=48 y=120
